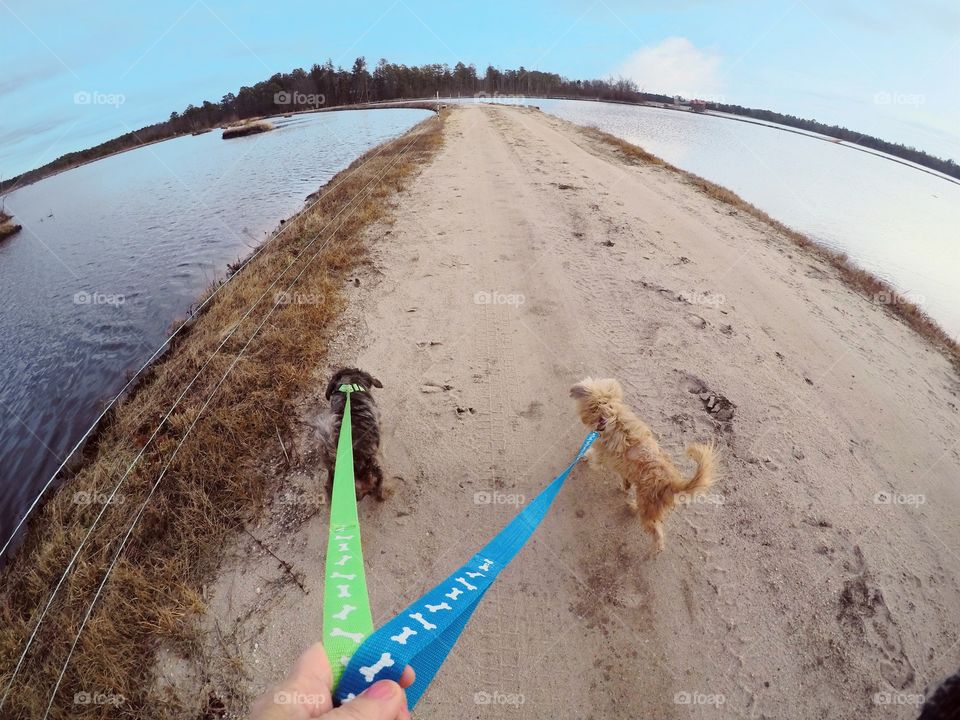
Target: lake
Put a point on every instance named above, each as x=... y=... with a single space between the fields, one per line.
x=897 y=221
x=114 y=252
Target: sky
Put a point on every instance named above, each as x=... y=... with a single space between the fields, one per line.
x=76 y=74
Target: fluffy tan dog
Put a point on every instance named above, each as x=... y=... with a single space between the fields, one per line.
x=627 y=447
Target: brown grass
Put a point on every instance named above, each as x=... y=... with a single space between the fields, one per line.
x=247 y=128
x=873 y=288
x=7 y=228
x=218 y=481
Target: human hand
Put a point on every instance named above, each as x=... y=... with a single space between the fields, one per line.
x=307 y=693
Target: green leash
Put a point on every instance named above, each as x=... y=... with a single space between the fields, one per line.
x=347 y=620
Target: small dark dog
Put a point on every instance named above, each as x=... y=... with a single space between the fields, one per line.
x=365 y=426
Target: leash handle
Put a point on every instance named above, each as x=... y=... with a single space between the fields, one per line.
x=424 y=633
x=347 y=620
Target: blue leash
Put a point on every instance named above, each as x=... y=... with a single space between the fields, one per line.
x=424 y=633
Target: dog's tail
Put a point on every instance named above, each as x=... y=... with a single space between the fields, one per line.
x=705 y=456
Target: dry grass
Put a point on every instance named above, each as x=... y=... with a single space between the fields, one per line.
x=218 y=480
x=7 y=228
x=247 y=128
x=876 y=290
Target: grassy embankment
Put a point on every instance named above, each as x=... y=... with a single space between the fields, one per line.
x=875 y=289
x=216 y=481
x=250 y=127
x=8 y=228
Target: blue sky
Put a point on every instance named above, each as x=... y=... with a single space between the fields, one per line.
x=892 y=70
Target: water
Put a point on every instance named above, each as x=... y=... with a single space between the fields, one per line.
x=895 y=220
x=112 y=253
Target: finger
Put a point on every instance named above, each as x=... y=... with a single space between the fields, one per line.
x=384 y=700
x=313 y=669
x=306 y=691
x=408 y=678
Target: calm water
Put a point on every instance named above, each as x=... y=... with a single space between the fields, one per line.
x=899 y=222
x=112 y=253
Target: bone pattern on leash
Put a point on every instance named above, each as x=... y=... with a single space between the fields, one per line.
x=369 y=673
x=344 y=560
x=344 y=612
x=427 y=625
x=341 y=576
x=356 y=637
x=344 y=591
x=441 y=606
x=402 y=637
x=467 y=585
x=454 y=593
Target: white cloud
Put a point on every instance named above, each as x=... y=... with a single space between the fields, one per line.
x=675 y=67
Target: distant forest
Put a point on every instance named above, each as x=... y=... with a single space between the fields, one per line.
x=324 y=86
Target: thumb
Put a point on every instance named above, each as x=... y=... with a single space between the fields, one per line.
x=384 y=700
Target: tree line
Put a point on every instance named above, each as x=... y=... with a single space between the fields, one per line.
x=324 y=86
x=905 y=152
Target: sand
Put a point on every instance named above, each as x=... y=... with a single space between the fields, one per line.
x=526 y=256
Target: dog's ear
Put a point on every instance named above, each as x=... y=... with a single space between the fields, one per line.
x=369 y=380
x=579 y=391
x=332 y=385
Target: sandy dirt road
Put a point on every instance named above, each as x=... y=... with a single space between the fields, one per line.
x=528 y=255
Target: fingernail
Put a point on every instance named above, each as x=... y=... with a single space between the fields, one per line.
x=381 y=690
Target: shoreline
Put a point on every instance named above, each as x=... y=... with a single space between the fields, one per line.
x=872 y=287
x=429 y=104
x=263 y=374
x=773 y=126
x=415 y=105
x=178 y=630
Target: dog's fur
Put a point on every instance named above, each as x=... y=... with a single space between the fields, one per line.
x=627 y=447
x=365 y=426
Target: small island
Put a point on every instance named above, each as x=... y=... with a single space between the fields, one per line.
x=247 y=128
x=7 y=227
